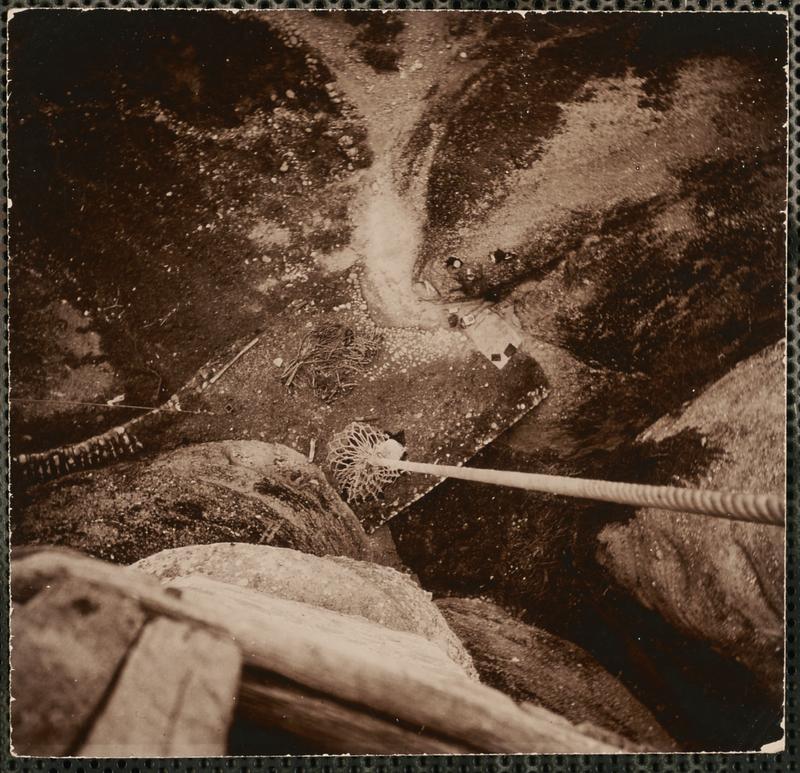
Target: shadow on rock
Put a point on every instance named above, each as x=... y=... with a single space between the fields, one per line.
x=236 y=491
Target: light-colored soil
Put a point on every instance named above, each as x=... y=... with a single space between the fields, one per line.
x=635 y=151
x=387 y=224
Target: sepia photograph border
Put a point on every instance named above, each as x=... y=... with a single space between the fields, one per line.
x=786 y=760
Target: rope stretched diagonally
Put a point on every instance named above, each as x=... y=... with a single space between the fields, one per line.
x=756 y=508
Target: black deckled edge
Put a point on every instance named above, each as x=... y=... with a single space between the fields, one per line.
x=668 y=763
x=792 y=363
x=5 y=719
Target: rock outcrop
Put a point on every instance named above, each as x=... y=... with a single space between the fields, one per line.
x=534 y=666
x=665 y=242
x=242 y=491
x=716 y=579
x=377 y=593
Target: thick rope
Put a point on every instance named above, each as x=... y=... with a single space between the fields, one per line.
x=754 y=508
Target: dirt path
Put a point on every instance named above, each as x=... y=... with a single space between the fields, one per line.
x=388 y=224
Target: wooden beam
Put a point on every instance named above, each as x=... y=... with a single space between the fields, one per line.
x=329 y=726
x=448 y=705
x=446 y=702
x=174 y=698
x=67 y=645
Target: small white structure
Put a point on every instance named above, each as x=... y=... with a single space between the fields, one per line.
x=495 y=337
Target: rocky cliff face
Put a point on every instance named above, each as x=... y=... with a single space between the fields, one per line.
x=718 y=580
x=630 y=169
x=646 y=253
x=239 y=491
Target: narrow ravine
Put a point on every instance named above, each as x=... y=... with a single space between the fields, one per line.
x=379 y=176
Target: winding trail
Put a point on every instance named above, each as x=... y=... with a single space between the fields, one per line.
x=388 y=224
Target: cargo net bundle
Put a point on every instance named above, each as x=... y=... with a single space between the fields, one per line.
x=350 y=457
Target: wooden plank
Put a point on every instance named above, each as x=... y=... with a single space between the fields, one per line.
x=174 y=698
x=38 y=569
x=67 y=644
x=26 y=585
x=331 y=727
x=446 y=702
x=341 y=629
x=451 y=707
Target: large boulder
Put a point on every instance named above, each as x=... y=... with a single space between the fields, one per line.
x=534 y=666
x=717 y=579
x=377 y=593
x=241 y=491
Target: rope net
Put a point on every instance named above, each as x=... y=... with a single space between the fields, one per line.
x=349 y=456
x=362 y=462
